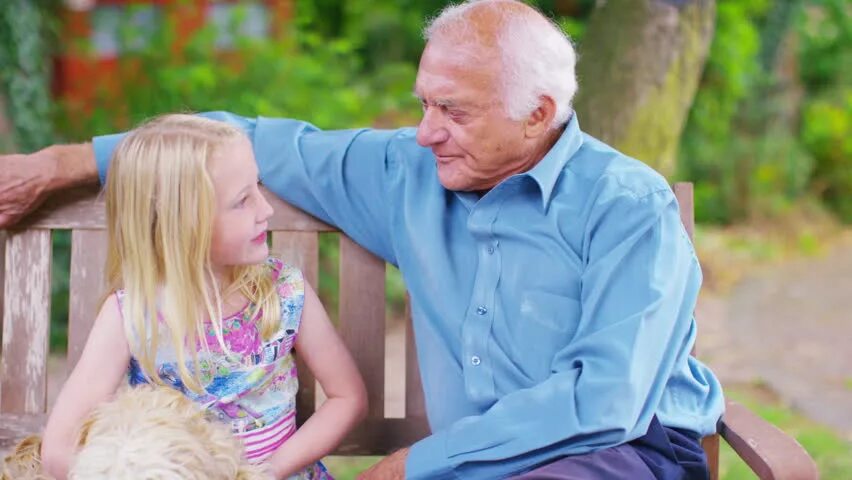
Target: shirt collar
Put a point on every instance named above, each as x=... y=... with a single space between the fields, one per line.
x=546 y=172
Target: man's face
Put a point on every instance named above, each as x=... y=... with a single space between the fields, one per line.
x=476 y=145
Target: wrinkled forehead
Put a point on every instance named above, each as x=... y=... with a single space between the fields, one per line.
x=458 y=71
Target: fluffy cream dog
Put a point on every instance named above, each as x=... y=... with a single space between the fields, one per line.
x=145 y=433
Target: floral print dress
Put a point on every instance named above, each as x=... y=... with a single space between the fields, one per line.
x=252 y=389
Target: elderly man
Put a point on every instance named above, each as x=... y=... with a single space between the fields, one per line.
x=552 y=282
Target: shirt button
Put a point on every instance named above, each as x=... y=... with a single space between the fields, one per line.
x=480 y=310
x=475 y=360
x=490 y=250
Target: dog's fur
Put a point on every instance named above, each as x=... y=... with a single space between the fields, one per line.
x=145 y=433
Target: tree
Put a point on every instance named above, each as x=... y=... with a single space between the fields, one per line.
x=640 y=63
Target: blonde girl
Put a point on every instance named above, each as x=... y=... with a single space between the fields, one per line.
x=196 y=303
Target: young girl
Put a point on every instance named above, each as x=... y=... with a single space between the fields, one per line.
x=196 y=304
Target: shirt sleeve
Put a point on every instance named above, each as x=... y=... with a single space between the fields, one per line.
x=639 y=288
x=341 y=177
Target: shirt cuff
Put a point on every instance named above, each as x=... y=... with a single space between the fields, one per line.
x=104 y=146
x=427 y=459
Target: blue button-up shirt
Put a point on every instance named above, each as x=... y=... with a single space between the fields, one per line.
x=553 y=315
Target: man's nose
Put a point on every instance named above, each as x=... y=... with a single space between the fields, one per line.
x=431 y=130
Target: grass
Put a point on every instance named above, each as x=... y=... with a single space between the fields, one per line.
x=347 y=468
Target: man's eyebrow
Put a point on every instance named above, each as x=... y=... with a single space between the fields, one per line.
x=440 y=102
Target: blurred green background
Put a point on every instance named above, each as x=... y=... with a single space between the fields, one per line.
x=767 y=139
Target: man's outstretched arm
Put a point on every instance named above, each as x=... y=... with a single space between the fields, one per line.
x=26 y=180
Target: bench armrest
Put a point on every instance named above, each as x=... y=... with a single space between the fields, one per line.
x=769 y=452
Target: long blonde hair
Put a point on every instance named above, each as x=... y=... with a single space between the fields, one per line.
x=160 y=206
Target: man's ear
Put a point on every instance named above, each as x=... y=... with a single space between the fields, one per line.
x=539 y=121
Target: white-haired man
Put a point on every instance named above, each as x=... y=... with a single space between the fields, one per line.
x=552 y=282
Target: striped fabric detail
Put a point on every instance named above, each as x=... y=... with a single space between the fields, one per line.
x=260 y=443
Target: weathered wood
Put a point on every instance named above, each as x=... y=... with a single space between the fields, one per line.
x=26 y=322
x=684 y=193
x=16 y=427
x=301 y=249
x=2 y=277
x=415 y=406
x=770 y=453
x=362 y=318
x=84 y=208
x=88 y=259
x=711 y=449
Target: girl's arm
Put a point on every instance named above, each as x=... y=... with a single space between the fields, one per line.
x=97 y=375
x=325 y=355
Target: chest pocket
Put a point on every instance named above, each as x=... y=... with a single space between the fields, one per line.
x=546 y=324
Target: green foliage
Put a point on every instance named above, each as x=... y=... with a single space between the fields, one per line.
x=743 y=145
x=25 y=32
x=825 y=31
x=316 y=79
x=59 y=290
x=827 y=134
x=717 y=152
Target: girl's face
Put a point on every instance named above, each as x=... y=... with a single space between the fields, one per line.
x=240 y=223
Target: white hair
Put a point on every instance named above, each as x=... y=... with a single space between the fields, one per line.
x=538 y=57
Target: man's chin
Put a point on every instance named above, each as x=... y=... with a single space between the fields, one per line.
x=451 y=182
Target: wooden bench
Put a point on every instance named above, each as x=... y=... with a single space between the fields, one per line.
x=26 y=320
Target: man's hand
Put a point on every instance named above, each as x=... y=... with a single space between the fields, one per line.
x=391 y=468
x=26 y=180
x=24 y=184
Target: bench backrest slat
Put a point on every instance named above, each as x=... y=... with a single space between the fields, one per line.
x=26 y=322
x=362 y=318
x=415 y=406
x=301 y=249
x=87 y=286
